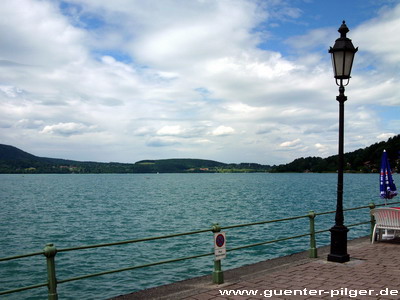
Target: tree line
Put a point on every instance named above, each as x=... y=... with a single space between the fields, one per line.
x=367 y=160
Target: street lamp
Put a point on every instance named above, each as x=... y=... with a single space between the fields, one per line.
x=342 y=60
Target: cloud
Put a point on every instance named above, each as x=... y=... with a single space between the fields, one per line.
x=290 y=144
x=384 y=29
x=170 y=130
x=323 y=149
x=67 y=129
x=30 y=25
x=222 y=131
x=143 y=131
x=161 y=142
x=314 y=38
x=11 y=91
x=385 y=136
x=30 y=124
x=159 y=78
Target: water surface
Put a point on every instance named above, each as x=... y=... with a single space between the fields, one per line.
x=72 y=210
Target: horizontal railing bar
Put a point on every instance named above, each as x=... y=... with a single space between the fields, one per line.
x=23 y=288
x=134 y=267
x=355 y=208
x=361 y=223
x=177 y=234
x=264 y=222
x=268 y=242
x=347 y=209
x=321 y=231
x=174 y=260
x=200 y=255
x=134 y=241
x=21 y=256
x=325 y=213
x=383 y=204
x=351 y=225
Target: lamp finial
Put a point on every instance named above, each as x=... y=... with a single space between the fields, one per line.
x=343 y=30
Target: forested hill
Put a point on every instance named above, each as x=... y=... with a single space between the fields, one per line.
x=14 y=160
x=365 y=160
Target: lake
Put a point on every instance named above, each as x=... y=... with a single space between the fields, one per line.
x=74 y=210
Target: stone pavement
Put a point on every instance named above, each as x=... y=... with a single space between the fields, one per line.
x=373 y=272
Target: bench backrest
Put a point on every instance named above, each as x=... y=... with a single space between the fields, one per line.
x=386 y=217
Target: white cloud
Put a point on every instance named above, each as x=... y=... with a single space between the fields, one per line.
x=67 y=129
x=222 y=131
x=380 y=37
x=385 y=136
x=34 y=32
x=203 y=141
x=11 y=91
x=290 y=144
x=170 y=130
x=323 y=149
x=143 y=131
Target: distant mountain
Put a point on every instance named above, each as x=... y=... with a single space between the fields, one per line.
x=8 y=153
x=14 y=160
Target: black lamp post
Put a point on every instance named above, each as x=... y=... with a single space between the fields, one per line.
x=342 y=59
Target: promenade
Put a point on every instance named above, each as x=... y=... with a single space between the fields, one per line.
x=372 y=273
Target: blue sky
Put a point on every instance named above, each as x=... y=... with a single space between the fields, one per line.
x=228 y=80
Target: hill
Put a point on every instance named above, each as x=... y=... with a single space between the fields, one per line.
x=14 y=160
x=9 y=153
x=365 y=160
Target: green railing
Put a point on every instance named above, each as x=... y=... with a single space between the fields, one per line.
x=50 y=251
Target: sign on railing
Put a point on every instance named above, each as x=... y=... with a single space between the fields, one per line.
x=219 y=245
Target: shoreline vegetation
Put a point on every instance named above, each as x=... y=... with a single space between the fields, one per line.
x=367 y=160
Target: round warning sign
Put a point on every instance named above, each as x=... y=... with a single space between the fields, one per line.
x=220 y=240
x=219 y=245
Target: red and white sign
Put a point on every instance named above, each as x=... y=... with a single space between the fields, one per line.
x=219 y=245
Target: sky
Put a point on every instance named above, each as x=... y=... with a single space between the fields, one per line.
x=227 y=80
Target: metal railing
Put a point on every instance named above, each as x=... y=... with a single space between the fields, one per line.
x=50 y=250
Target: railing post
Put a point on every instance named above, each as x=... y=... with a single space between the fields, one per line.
x=372 y=206
x=50 y=252
x=313 y=248
x=218 y=274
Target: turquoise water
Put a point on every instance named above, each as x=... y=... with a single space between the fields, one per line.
x=73 y=210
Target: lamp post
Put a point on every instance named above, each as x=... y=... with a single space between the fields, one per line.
x=342 y=60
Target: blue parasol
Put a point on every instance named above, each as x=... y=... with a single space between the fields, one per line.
x=388 y=188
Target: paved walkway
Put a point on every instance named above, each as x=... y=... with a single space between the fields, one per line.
x=372 y=273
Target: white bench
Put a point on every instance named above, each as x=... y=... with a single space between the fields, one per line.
x=385 y=218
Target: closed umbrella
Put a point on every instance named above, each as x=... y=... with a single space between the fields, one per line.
x=387 y=186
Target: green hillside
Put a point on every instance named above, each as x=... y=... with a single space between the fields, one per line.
x=14 y=160
x=365 y=160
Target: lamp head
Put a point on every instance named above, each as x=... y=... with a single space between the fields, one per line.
x=342 y=56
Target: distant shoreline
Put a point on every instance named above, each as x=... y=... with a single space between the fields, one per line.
x=367 y=160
